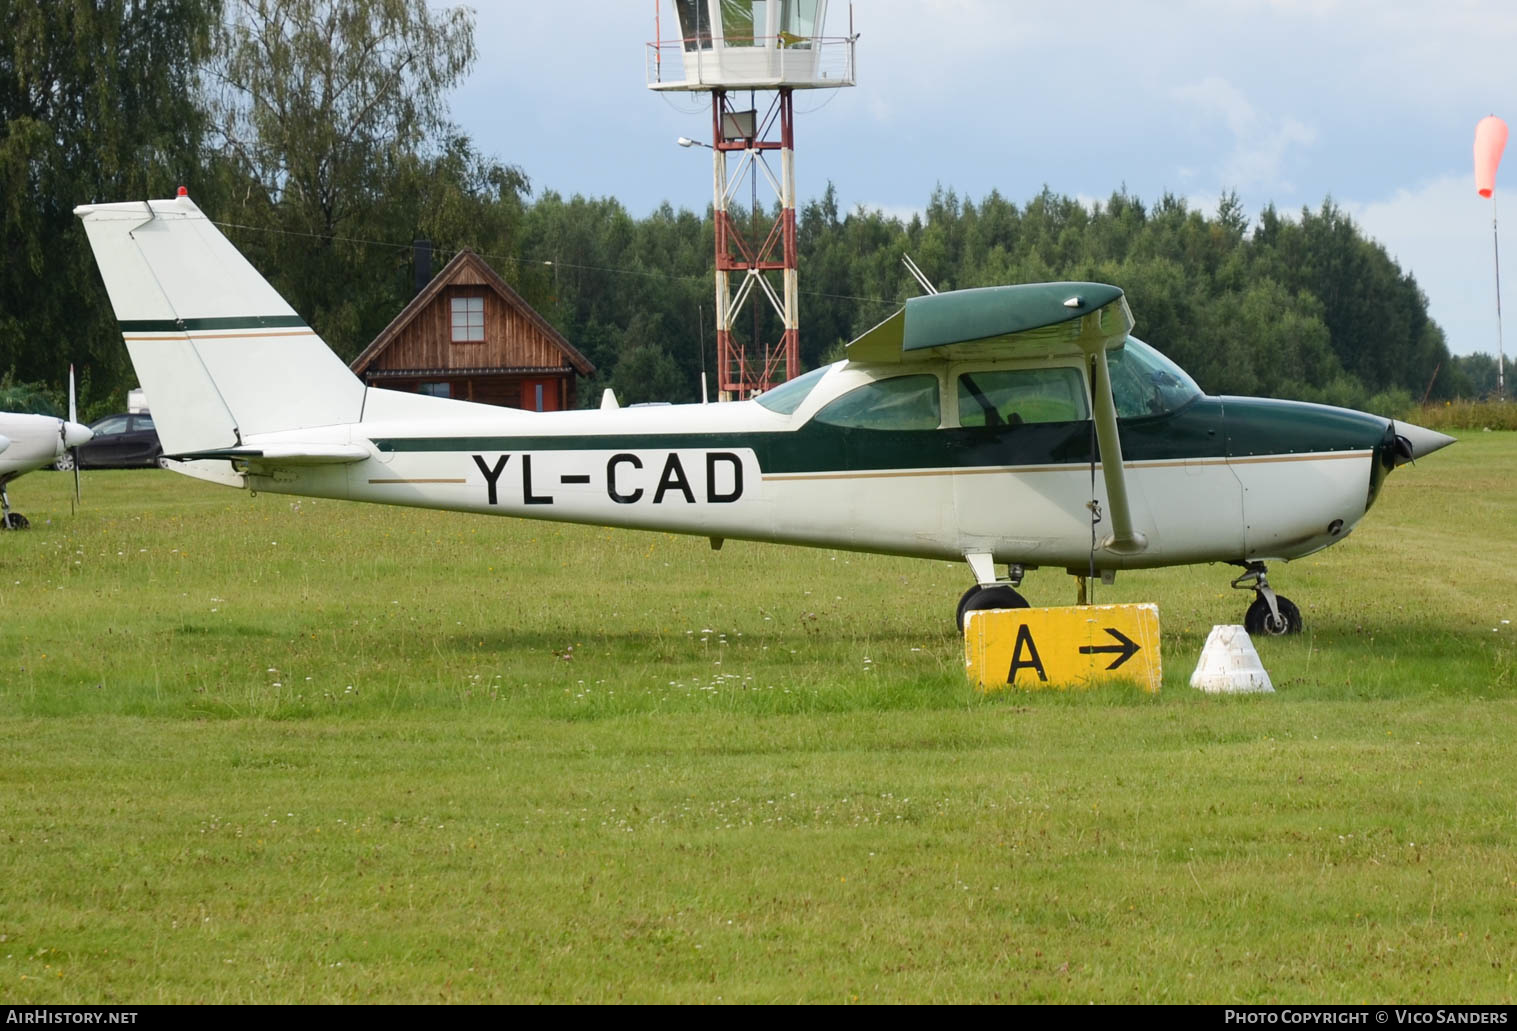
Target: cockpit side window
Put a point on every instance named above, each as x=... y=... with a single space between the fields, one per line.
x=1011 y=397
x=898 y=403
x=1144 y=382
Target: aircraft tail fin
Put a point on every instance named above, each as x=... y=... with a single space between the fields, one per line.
x=221 y=356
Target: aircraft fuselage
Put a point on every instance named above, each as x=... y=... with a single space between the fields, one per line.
x=1219 y=479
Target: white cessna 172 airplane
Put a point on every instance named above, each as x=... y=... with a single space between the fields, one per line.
x=30 y=442
x=1017 y=425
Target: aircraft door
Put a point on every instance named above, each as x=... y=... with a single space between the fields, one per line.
x=1020 y=441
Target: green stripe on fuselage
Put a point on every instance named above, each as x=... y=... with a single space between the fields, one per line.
x=201 y=325
x=1195 y=431
x=1266 y=426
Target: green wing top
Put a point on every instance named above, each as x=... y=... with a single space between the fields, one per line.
x=1030 y=320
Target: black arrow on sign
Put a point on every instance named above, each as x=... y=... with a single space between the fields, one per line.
x=1126 y=647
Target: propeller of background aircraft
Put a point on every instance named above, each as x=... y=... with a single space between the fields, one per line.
x=69 y=433
x=30 y=442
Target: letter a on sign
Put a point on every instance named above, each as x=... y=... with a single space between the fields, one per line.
x=1025 y=655
x=1074 y=647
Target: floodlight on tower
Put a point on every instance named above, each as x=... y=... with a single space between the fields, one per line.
x=774 y=47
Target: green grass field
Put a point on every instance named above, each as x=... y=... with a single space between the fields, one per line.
x=260 y=749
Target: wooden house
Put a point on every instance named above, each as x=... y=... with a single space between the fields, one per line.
x=468 y=335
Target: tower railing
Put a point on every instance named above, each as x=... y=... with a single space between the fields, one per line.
x=799 y=62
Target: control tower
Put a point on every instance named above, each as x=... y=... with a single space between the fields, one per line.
x=729 y=48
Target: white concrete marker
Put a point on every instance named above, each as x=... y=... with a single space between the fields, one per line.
x=1230 y=664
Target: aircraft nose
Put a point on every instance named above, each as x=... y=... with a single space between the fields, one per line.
x=1413 y=442
x=75 y=434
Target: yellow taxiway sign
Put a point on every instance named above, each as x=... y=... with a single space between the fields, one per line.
x=1074 y=646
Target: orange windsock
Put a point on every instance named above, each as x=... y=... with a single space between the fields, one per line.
x=1490 y=141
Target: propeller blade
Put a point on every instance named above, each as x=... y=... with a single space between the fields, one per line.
x=73 y=418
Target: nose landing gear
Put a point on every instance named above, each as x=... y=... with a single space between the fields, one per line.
x=1271 y=614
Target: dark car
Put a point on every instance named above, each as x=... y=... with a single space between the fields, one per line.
x=122 y=440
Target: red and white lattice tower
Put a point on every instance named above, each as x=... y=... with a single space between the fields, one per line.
x=754 y=46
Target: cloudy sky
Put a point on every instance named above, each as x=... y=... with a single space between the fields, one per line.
x=1370 y=102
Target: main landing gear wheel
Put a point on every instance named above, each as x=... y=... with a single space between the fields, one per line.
x=1260 y=620
x=9 y=520
x=1271 y=614
x=978 y=598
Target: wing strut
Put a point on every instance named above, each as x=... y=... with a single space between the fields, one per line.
x=1101 y=329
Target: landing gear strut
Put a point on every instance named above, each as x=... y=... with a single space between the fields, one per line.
x=1271 y=614
x=991 y=596
x=10 y=520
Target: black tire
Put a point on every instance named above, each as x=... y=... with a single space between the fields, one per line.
x=1258 y=621
x=65 y=462
x=978 y=598
x=15 y=521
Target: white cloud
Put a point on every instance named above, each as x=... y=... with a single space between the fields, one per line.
x=1261 y=146
x=904 y=212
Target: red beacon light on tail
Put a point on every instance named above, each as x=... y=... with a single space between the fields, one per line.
x=182 y=192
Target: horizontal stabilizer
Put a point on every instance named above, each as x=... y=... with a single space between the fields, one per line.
x=284 y=454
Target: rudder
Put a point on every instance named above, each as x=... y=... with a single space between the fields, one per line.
x=220 y=354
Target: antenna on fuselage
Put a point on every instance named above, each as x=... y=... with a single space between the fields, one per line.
x=917 y=274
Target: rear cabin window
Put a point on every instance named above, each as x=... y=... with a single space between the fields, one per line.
x=787 y=397
x=900 y=403
x=1011 y=397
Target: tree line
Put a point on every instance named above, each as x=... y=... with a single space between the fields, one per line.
x=317 y=134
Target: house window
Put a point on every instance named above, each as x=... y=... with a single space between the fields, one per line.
x=442 y=389
x=468 y=319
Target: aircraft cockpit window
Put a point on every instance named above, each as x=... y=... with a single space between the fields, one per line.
x=787 y=397
x=1010 y=397
x=898 y=403
x=1144 y=382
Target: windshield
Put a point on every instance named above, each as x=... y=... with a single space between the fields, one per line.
x=1144 y=382
x=787 y=397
